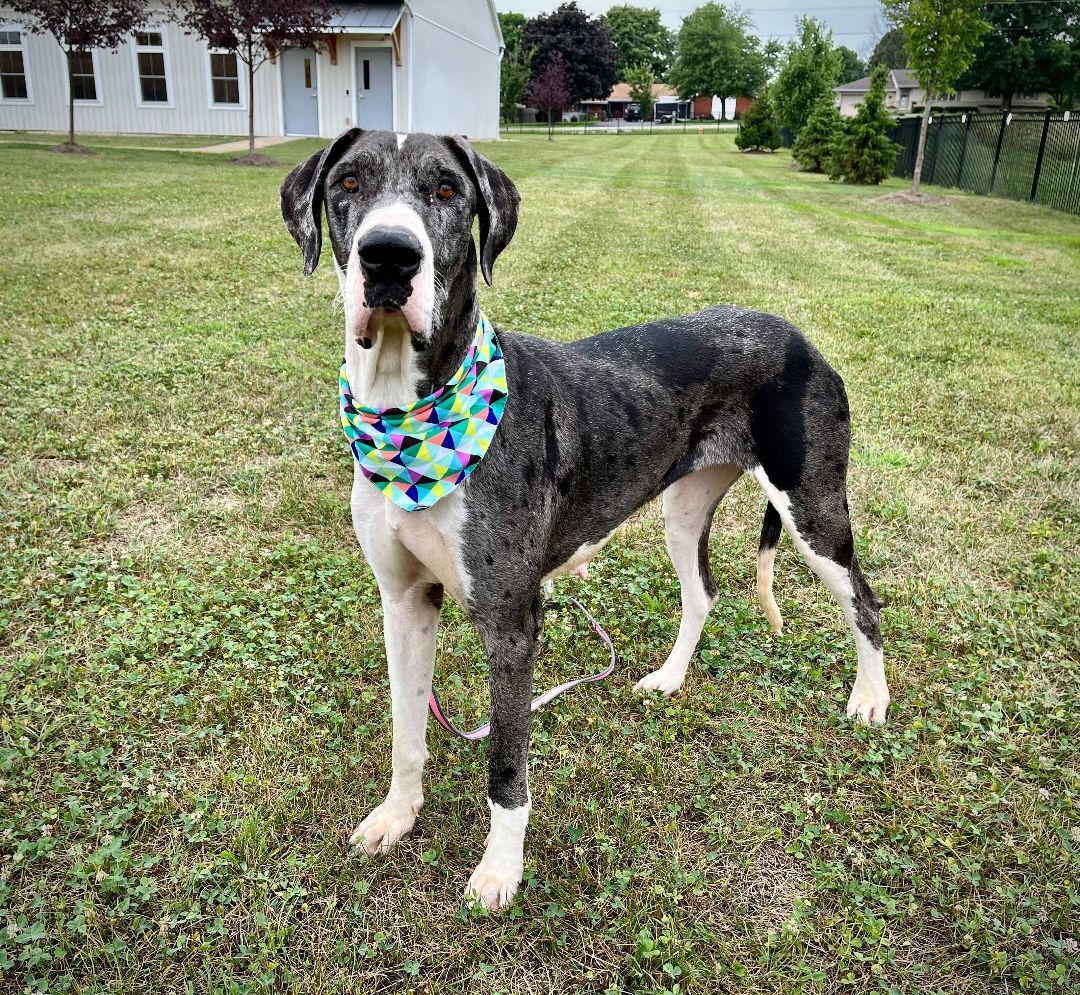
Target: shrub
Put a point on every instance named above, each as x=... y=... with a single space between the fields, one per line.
x=815 y=142
x=863 y=152
x=759 y=128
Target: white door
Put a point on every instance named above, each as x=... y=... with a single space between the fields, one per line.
x=374 y=89
x=301 y=94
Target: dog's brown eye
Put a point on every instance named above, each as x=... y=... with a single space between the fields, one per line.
x=446 y=190
x=349 y=182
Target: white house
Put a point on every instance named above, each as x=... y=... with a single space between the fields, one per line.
x=418 y=65
x=904 y=95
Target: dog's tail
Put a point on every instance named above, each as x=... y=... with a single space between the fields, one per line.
x=770 y=536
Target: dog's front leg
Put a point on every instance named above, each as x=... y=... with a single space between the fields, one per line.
x=410 y=620
x=510 y=641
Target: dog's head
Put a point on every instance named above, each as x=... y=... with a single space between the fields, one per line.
x=399 y=211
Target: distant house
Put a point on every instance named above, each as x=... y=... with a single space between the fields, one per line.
x=618 y=104
x=903 y=95
x=421 y=65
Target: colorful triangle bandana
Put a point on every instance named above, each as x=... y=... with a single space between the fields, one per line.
x=419 y=453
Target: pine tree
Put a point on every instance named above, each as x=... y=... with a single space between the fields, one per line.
x=863 y=152
x=759 y=128
x=815 y=142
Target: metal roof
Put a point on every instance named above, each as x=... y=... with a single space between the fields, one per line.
x=365 y=18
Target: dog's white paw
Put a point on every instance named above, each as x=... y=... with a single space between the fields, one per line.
x=663 y=680
x=494 y=883
x=868 y=705
x=385 y=826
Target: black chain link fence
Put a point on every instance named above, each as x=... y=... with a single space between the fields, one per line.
x=1031 y=156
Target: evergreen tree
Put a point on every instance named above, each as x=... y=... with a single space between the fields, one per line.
x=808 y=74
x=815 y=142
x=759 y=129
x=864 y=153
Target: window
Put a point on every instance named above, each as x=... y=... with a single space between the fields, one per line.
x=151 y=68
x=224 y=78
x=81 y=75
x=13 y=79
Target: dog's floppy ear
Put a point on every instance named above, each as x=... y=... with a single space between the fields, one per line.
x=497 y=202
x=302 y=197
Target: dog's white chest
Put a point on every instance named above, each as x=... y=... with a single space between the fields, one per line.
x=433 y=536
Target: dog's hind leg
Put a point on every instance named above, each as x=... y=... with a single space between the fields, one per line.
x=816 y=516
x=770 y=536
x=689 y=505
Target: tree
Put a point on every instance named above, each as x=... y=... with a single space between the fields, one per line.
x=641 y=80
x=1028 y=48
x=942 y=36
x=513 y=79
x=816 y=141
x=255 y=31
x=549 y=91
x=864 y=153
x=516 y=65
x=718 y=55
x=1063 y=71
x=851 y=67
x=759 y=129
x=589 y=57
x=807 y=75
x=512 y=25
x=641 y=39
x=79 y=28
x=772 y=54
x=890 y=51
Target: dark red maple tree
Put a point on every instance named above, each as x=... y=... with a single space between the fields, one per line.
x=255 y=31
x=548 y=91
x=79 y=28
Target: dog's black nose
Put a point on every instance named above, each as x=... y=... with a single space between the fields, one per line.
x=390 y=255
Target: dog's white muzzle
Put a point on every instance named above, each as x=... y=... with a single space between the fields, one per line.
x=364 y=320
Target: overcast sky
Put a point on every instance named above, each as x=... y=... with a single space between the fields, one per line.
x=853 y=22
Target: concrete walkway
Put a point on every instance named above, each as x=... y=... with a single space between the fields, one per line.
x=241 y=146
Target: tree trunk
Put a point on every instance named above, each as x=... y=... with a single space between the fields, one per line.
x=251 y=98
x=723 y=108
x=71 y=110
x=1006 y=101
x=551 y=124
x=71 y=92
x=916 y=176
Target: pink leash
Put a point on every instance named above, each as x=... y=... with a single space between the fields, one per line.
x=482 y=731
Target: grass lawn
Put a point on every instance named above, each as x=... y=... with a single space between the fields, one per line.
x=194 y=708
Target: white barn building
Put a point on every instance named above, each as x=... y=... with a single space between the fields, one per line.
x=419 y=65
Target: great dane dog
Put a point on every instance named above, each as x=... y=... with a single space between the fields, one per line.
x=592 y=430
